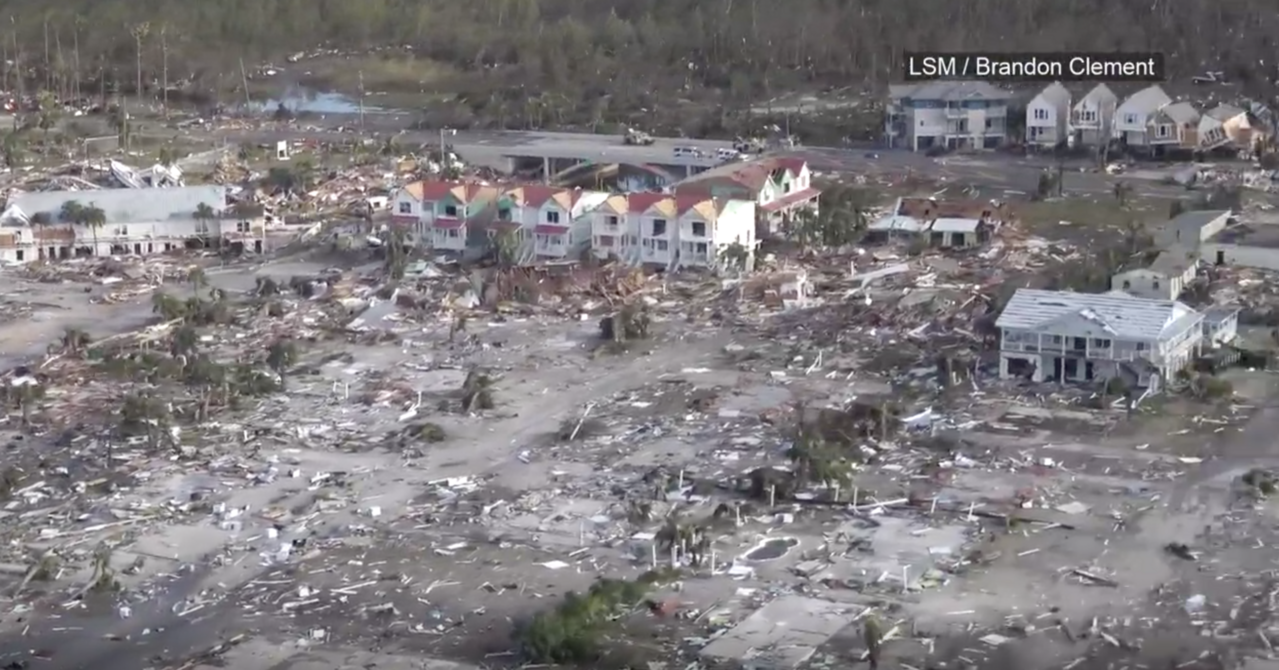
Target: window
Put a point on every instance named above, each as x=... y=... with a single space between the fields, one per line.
x=661 y=245
x=700 y=248
x=242 y=227
x=1164 y=130
x=610 y=221
x=1100 y=343
x=453 y=232
x=406 y=208
x=604 y=241
x=1154 y=283
x=121 y=231
x=1090 y=116
x=504 y=214
x=1130 y=119
x=699 y=229
x=1041 y=114
x=1141 y=346
x=450 y=211
x=1055 y=339
x=552 y=216
x=659 y=227
x=1127 y=284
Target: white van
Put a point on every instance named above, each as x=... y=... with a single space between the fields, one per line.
x=686 y=152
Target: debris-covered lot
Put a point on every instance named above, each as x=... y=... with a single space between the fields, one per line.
x=301 y=462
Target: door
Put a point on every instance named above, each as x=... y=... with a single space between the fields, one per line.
x=1221 y=257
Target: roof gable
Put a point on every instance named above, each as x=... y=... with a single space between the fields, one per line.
x=1099 y=95
x=1053 y=94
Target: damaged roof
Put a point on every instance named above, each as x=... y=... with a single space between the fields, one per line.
x=1100 y=315
x=752 y=175
x=124 y=205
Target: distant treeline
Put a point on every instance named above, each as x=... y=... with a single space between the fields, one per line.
x=742 y=49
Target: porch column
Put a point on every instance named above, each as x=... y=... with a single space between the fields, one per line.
x=546 y=169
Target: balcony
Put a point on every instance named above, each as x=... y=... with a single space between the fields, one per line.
x=956 y=112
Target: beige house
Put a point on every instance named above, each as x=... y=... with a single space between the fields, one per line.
x=1164 y=279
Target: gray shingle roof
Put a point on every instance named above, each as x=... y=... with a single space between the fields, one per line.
x=1181 y=112
x=1113 y=314
x=1224 y=112
x=1187 y=227
x=1173 y=262
x=949 y=90
x=128 y=205
x=1147 y=99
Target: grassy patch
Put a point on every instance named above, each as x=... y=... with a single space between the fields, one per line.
x=1089 y=217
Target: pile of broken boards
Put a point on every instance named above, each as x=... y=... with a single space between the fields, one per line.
x=126 y=276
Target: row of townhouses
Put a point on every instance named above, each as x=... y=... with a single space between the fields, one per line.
x=1148 y=118
x=50 y=224
x=690 y=226
x=974 y=115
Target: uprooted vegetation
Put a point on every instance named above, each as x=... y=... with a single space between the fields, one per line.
x=826 y=444
x=629 y=324
x=578 y=628
x=173 y=375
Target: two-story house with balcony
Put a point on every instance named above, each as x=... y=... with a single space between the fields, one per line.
x=779 y=187
x=1175 y=127
x=551 y=218
x=1078 y=337
x=1131 y=126
x=1092 y=118
x=1048 y=117
x=614 y=231
x=447 y=215
x=709 y=226
x=670 y=231
x=947 y=114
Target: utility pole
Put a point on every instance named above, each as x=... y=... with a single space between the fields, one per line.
x=244 y=81
x=75 y=56
x=361 y=100
x=17 y=65
x=164 y=70
x=47 y=69
x=140 y=32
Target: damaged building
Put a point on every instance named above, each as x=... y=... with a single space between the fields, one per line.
x=63 y=224
x=941 y=223
x=1078 y=337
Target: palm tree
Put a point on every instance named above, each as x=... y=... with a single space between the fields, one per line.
x=48 y=113
x=203 y=215
x=94 y=218
x=74 y=341
x=167 y=156
x=14 y=149
x=197 y=278
x=168 y=307
x=506 y=247
x=280 y=356
x=183 y=341
x=72 y=212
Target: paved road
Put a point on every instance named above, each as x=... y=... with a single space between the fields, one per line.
x=489 y=147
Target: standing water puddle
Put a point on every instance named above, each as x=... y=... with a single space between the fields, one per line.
x=771 y=549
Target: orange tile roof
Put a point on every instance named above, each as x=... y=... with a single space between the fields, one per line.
x=641 y=202
x=534 y=195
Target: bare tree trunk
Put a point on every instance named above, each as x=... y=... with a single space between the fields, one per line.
x=75 y=58
x=164 y=70
x=47 y=69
